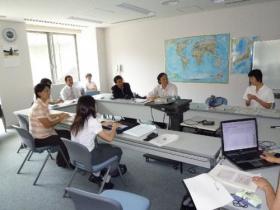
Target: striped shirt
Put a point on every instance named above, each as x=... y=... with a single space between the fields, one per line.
x=39 y=110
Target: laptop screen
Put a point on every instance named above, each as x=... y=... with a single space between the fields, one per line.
x=239 y=134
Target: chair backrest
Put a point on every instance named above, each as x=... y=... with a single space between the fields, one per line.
x=79 y=154
x=88 y=201
x=25 y=137
x=23 y=122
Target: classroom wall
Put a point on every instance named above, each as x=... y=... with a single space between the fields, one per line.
x=16 y=81
x=139 y=46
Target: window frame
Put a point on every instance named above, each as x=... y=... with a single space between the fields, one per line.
x=51 y=52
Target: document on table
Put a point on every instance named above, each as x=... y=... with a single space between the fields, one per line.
x=164 y=139
x=234 y=177
x=140 y=130
x=207 y=193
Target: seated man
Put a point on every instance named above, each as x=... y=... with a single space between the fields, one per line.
x=163 y=89
x=69 y=92
x=258 y=94
x=121 y=89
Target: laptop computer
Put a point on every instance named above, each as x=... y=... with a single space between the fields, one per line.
x=240 y=143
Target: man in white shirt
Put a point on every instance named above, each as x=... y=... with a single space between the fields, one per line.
x=258 y=94
x=69 y=92
x=163 y=89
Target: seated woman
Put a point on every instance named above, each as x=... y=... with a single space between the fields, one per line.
x=42 y=123
x=163 y=89
x=272 y=196
x=90 y=85
x=121 y=89
x=84 y=130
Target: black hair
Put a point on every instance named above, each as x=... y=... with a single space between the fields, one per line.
x=88 y=75
x=160 y=76
x=257 y=73
x=46 y=81
x=116 y=78
x=85 y=108
x=66 y=77
x=39 y=88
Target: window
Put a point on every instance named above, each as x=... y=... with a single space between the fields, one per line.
x=53 y=56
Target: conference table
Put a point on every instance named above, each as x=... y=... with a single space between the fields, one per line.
x=188 y=148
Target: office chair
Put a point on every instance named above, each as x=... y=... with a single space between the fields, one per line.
x=80 y=157
x=23 y=123
x=3 y=118
x=28 y=141
x=108 y=200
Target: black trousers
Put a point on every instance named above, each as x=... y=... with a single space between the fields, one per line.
x=55 y=140
x=103 y=152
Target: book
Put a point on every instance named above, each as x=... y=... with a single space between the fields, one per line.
x=164 y=139
x=234 y=177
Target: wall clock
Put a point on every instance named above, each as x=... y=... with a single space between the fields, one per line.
x=9 y=34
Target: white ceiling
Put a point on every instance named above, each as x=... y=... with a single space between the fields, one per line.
x=107 y=12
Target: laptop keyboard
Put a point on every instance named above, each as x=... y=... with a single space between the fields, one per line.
x=246 y=157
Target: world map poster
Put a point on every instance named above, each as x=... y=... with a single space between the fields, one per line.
x=198 y=59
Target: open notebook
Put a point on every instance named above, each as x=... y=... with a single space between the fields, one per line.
x=140 y=130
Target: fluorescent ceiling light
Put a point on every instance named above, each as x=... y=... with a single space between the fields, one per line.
x=218 y=1
x=135 y=8
x=169 y=2
x=85 y=19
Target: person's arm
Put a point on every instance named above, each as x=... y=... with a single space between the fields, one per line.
x=153 y=94
x=266 y=105
x=129 y=92
x=63 y=94
x=264 y=185
x=276 y=203
x=109 y=135
x=51 y=121
x=115 y=91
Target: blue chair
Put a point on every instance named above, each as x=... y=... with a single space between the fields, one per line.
x=108 y=200
x=28 y=141
x=80 y=157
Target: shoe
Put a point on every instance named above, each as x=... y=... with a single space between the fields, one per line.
x=116 y=173
x=108 y=186
x=95 y=179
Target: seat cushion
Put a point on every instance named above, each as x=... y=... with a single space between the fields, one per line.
x=129 y=201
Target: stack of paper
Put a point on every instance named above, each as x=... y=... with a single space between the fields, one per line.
x=234 y=177
x=164 y=139
x=206 y=193
x=140 y=130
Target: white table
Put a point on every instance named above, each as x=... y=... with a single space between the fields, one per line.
x=270 y=173
x=189 y=148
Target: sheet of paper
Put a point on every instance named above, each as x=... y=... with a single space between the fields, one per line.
x=140 y=130
x=206 y=193
x=234 y=177
x=164 y=139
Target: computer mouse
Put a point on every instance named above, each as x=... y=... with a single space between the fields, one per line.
x=277 y=155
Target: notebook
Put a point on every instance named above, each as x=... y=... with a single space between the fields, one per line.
x=240 y=143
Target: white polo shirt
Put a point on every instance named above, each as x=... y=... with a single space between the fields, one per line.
x=87 y=135
x=70 y=93
x=159 y=91
x=264 y=93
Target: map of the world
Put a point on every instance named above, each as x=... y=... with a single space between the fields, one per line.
x=199 y=59
x=242 y=54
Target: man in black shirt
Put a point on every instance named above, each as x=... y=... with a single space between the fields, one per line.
x=121 y=89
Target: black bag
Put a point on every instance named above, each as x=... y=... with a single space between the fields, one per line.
x=187 y=202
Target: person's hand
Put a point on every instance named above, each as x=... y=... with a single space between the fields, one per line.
x=152 y=98
x=59 y=101
x=261 y=182
x=115 y=125
x=269 y=158
x=251 y=97
x=63 y=116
